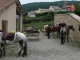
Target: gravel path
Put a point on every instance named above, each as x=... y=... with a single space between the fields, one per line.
x=45 y=49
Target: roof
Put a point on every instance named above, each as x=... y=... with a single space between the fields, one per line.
x=5 y=3
x=44 y=9
x=66 y=7
x=75 y=16
x=32 y=11
x=56 y=7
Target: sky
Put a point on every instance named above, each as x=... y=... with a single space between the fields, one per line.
x=31 y=1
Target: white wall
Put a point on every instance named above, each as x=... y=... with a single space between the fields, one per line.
x=9 y=14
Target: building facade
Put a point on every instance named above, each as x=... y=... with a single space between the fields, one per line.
x=9 y=9
x=70 y=19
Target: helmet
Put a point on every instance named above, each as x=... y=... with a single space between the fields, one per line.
x=24 y=32
x=12 y=32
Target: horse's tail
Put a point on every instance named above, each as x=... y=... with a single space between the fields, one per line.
x=25 y=47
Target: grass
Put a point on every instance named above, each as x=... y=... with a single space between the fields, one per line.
x=38 y=25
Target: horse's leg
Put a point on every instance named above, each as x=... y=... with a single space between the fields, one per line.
x=64 y=38
x=61 y=40
x=48 y=35
x=57 y=33
x=67 y=38
x=21 y=44
x=4 y=50
x=1 y=49
x=0 y=52
x=20 y=51
x=25 y=49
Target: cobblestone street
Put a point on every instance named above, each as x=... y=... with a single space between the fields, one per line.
x=46 y=49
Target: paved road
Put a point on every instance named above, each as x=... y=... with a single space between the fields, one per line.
x=46 y=49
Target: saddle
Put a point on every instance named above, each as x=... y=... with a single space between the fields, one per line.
x=7 y=36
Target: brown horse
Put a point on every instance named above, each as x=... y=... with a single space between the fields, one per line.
x=55 y=28
x=49 y=30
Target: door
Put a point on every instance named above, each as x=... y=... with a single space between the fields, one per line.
x=4 y=25
x=18 y=25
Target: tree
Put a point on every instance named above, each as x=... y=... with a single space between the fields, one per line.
x=77 y=8
x=25 y=14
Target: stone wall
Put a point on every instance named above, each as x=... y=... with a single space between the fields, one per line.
x=69 y=20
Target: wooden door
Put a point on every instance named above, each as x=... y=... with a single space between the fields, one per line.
x=18 y=25
x=4 y=25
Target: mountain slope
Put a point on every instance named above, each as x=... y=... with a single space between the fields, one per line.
x=35 y=6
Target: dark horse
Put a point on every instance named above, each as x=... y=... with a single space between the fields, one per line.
x=49 y=30
x=59 y=27
x=53 y=28
x=9 y=39
x=64 y=33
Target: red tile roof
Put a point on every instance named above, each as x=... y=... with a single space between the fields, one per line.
x=66 y=7
x=56 y=7
x=5 y=3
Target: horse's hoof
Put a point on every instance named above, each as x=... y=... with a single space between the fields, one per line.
x=24 y=55
x=49 y=38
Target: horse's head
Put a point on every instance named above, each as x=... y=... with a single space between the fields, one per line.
x=71 y=27
x=62 y=24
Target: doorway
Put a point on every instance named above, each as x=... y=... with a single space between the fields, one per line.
x=4 y=25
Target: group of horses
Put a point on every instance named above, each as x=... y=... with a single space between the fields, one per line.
x=62 y=31
x=12 y=38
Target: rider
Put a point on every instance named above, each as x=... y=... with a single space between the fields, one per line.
x=32 y=28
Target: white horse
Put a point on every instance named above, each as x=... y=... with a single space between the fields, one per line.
x=64 y=33
x=18 y=37
x=45 y=29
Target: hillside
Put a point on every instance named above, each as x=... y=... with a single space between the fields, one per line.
x=34 y=6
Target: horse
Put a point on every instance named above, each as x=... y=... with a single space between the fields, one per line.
x=2 y=49
x=9 y=39
x=64 y=33
x=49 y=30
x=58 y=27
x=45 y=29
x=54 y=28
